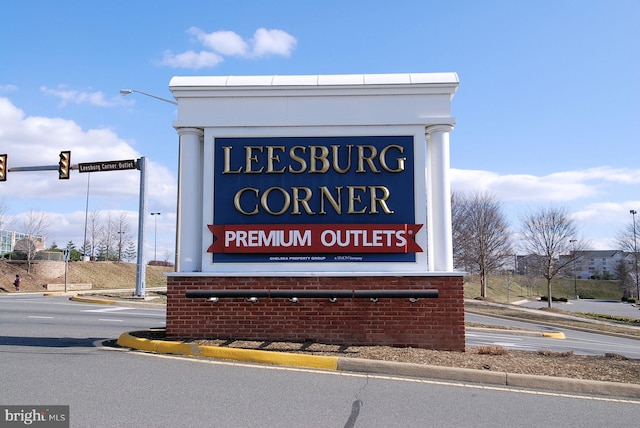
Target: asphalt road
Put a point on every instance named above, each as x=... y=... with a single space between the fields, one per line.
x=579 y=342
x=51 y=352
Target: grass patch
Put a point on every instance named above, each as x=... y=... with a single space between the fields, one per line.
x=614 y=318
x=511 y=288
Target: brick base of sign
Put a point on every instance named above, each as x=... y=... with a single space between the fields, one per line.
x=436 y=323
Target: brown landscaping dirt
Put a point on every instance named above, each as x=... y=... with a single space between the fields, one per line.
x=612 y=367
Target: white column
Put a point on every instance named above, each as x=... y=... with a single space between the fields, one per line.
x=189 y=216
x=440 y=243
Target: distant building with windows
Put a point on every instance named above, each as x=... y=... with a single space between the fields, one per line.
x=601 y=263
x=588 y=264
x=11 y=241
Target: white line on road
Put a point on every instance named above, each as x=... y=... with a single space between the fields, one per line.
x=44 y=318
x=110 y=320
x=110 y=309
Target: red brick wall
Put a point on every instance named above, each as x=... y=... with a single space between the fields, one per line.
x=429 y=323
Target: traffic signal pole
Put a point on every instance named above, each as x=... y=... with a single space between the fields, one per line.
x=64 y=168
x=141 y=272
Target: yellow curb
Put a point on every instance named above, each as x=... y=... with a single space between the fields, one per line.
x=88 y=300
x=237 y=354
x=553 y=334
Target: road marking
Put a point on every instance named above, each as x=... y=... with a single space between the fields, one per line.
x=109 y=309
x=40 y=317
x=401 y=379
x=110 y=320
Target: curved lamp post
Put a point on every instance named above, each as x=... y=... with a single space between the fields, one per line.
x=155 y=236
x=575 y=281
x=635 y=251
x=124 y=92
x=141 y=268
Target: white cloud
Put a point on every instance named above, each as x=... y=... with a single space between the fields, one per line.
x=221 y=44
x=8 y=88
x=276 y=42
x=561 y=186
x=71 y=96
x=191 y=59
x=597 y=198
x=37 y=140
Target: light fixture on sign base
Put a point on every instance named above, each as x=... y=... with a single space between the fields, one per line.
x=374 y=300
x=294 y=300
x=413 y=299
x=252 y=299
x=333 y=299
x=213 y=299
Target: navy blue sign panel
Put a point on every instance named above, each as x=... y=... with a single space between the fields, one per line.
x=356 y=180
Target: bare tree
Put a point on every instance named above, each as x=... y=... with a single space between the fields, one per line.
x=547 y=234
x=626 y=240
x=114 y=236
x=123 y=232
x=459 y=235
x=481 y=235
x=5 y=223
x=5 y=218
x=130 y=251
x=34 y=224
x=95 y=231
x=625 y=279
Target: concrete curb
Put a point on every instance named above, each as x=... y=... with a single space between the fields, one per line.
x=548 y=334
x=91 y=300
x=360 y=365
x=236 y=354
x=106 y=301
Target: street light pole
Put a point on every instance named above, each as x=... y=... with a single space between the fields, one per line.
x=86 y=217
x=141 y=273
x=635 y=252
x=155 y=235
x=124 y=92
x=575 y=281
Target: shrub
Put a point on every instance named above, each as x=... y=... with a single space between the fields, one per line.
x=492 y=350
x=612 y=356
x=554 y=299
x=549 y=353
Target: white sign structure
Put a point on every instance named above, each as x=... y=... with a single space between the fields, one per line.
x=309 y=175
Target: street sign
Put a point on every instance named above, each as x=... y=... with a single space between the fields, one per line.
x=107 y=166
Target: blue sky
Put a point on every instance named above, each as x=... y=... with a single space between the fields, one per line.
x=548 y=108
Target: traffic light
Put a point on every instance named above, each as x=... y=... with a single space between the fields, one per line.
x=64 y=166
x=3 y=168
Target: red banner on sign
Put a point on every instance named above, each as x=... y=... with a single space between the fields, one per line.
x=315 y=238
